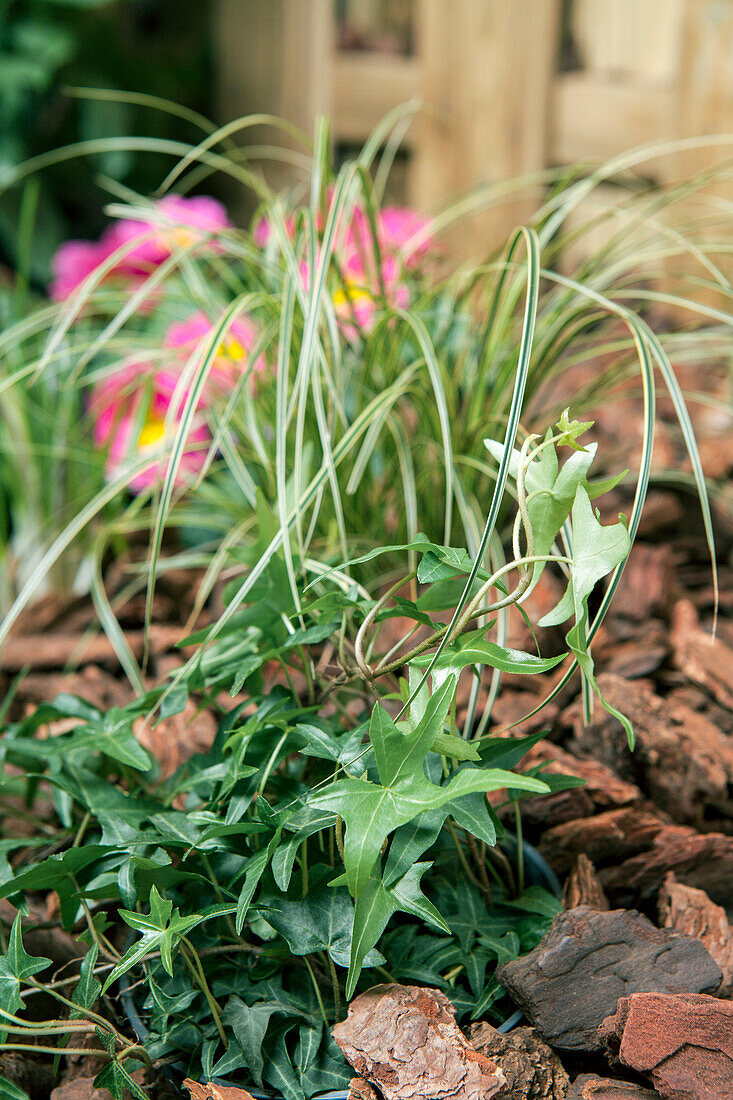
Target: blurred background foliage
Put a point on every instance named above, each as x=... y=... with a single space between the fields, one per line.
x=157 y=47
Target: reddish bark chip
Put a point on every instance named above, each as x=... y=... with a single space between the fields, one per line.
x=703 y=659
x=359 y=1089
x=588 y=959
x=683 y=1042
x=703 y=860
x=532 y=1070
x=611 y=836
x=582 y=887
x=405 y=1040
x=590 y=1087
x=211 y=1091
x=691 y=911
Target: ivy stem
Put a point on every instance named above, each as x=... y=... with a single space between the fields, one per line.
x=480 y=861
x=462 y=856
x=334 y=985
x=82 y=829
x=340 y=835
x=319 y=998
x=520 y=849
x=194 y=965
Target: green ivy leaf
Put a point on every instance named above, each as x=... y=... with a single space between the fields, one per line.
x=373 y=909
x=15 y=968
x=480 y=652
x=115 y=1077
x=162 y=930
x=597 y=550
x=371 y=812
x=87 y=989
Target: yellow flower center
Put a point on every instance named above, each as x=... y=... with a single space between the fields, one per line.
x=231 y=349
x=351 y=293
x=182 y=237
x=153 y=431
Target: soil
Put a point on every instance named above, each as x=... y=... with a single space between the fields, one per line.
x=650 y=831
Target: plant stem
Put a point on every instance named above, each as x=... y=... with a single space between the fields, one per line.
x=520 y=849
x=319 y=998
x=335 y=985
x=194 y=965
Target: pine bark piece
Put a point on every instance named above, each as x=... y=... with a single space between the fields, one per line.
x=591 y=1087
x=174 y=740
x=602 y=788
x=360 y=1089
x=703 y=860
x=533 y=1071
x=703 y=660
x=691 y=911
x=646 y=582
x=583 y=887
x=613 y=835
x=588 y=960
x=683 y=1043
x=211 y=1091
x=682 y=761
x=404 y=1039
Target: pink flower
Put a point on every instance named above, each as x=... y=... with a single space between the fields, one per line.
x=182 y=222
x=73 y=261
x=231 y=355
x=396 y=228
x=129 y=409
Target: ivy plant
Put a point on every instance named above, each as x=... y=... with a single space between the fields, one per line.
x=337 y=832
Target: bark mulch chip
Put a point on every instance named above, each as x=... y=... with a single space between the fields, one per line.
x=590 y=1087
x=588 y=960
x=683 y=1043
x=583 y=887
x=405 y=1040
x=691 y=911
x=682 y=760
x=533 y=1071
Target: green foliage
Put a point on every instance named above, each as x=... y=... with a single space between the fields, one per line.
x=266 y=881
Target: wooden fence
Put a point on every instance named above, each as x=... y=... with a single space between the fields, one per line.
x=506 y=86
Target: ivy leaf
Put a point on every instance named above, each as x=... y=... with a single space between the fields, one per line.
x=87 y=989
x=596 y=551
x=473 y=813
x=480 y=652
x=249 y=1024
x=371 y=812
x=571 y=430
x=551 y=492
x=376 y=904
x=162 y=930
x=16 y=967
x=321 y=921
x=115 y=1077
x=410 y=841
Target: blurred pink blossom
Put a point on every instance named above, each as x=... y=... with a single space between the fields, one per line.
x=129 y=410
x=231 y=355
x=180 y=222
x=404 y=239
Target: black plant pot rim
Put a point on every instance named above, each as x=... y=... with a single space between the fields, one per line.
x=539 y=873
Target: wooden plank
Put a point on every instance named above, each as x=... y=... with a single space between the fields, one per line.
x=597 y=117
x=705 y=106
x=366 y=86
x=486 y=69
x=275 y=56
x=639 y=38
